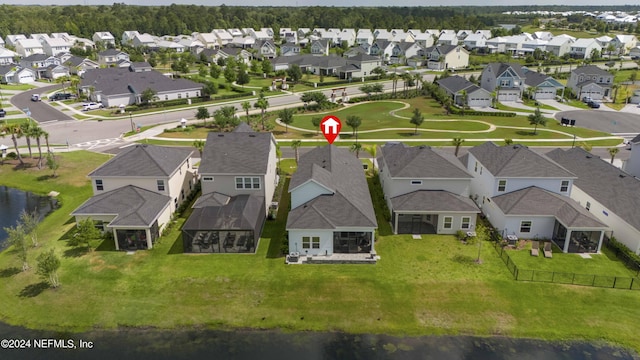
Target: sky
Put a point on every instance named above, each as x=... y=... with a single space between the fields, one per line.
x=370 y=3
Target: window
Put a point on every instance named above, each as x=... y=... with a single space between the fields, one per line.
x=525 y=227
x=175 y=202
x=207 y=178
x=182 y=194
x=160 y=184
x=564 y=186
x=311 y=242
x=448 y=221
x=247 y=183
x=466 y=222
x=99 y=185
x=505 y=83
x=476 y=167
x=502 y=185
x=416 y=182
x=179 y=96
x=588 y=206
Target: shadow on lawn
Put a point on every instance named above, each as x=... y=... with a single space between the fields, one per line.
x=177 y=247
x=33 y=290
x=526 y=133
x=9 y=272
x=45 y=177
x=463 y=259
x=106 y=245
x=75 y=252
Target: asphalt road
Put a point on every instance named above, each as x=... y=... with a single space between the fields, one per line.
x=40 y=110
x=602 y=120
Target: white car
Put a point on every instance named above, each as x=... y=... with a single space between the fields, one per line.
x=92 y=106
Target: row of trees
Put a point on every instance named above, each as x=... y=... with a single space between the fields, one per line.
x=30 y=131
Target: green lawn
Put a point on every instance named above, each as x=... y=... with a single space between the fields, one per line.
x=532 y=103
x=426 y=286
x=503 y=107
x=17 y=87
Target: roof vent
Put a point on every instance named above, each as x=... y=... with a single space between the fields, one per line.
x=220 y=135
x=422 y=147
x=252 y=135
x=589 y=156
x=622 y=176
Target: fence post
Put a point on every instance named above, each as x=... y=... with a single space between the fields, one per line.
x=614 y=281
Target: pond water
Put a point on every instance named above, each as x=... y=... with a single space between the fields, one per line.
x=266 y=345
x=13 y=201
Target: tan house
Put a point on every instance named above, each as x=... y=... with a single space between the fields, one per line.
x=447 y=57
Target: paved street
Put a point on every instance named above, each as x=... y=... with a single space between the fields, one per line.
x=607 y=121
x=40 y=111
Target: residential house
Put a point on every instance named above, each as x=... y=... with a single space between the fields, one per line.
x=265 y=49
x=604 y=41
x=136 y=192
x=584 y=48
x=530 y=46
x=246 y=42
x=423 y=39
x=632 y=165
x=39 y=37
x=12 y=40
x=289 y=36
x=331 y=208
x=364 y=36
x=260 y=35
x=426 y=190
x=330 y=37
x=347 y=36
x=320 y=47
x=26 y=47
x=608 y=193
x=128 y=36
x=55 y=46
x=140 y=66
x=624 y=43
x=634 y=53
x=303 y=33
x=513 y=44
x=39 y=64
x=223 y=36
x=475 y=41
x=110 y=57
x=236 y=53
x=104 y=37
x=542 y=35
x=382 y=48
x=238 y=178
x=497 y=44
x=11 y=74
x=462 y=35
x=463 y=92
x=235 y=32
x=526 y=195
x=486 y=33
x=541 y=86
x=448 y=39
x=192 y=45
x=357 y=50
x=171 y=45
x=289 y=49
x=209 y=40
x=403 y=51
x=506 y=79
x=7 y=56
x=447 y=57
x=78 y=65
x=590 y=81
x=401 y=36
x=54 y=72
x=359 y=66
x=144 y=40
x=117 y=86
x=559 y=45
x=382 y=34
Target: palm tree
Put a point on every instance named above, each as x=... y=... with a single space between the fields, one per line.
x=417 y=77
x=16 y=132
x=37 y=133
x=356 y=147
x=27 y=133
x=295 y=144
x=373 y=150
x=394 y=82
x=199 y=144
x=46 y=140
x=615 y=88
x=246 y=106
x=262 y=103
x=613 y=152
x=537 y=119
x=457 y=142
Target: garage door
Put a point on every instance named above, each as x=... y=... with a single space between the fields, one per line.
x=508 y=96
x=479 y=102
x=545 y=94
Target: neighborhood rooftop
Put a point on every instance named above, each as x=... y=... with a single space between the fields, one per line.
x=144 y=160
x=237 y=152
x=421 y=162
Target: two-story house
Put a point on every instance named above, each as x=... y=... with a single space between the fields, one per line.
x=127 y=36
x=541 y=86
x=110 y=57
x=319 y=47
x=506 y=79
x=447 y=57
x=104 y=37
x=7 y=56
x=610 y=194
x=590 y=81
x=289 y=49
x=331 y=208
x=223 y=36
x=448 y=39
x=527 y=195
x=208 y=40
x=54 y=46
x=624 y=43
x=144 y=41
x=26 y=47
x=382 y=48
x=265 y=49
x=359 y=66
x=559 y=45
x=475 y=41
x=402 y=51
x=364 y=36
x=584 y=48
x=426 y=190
x=463 y=92
x=238 y=178
x=135 y=193
x=79 y=65
x=12 y=39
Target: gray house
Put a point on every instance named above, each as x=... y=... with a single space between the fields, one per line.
x=457 y=87
x=506 y=79
x=238 y=177
x=331 y=209
x=590 y=81
x=426 y=190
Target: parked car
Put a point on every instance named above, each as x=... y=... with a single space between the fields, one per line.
x=92 y=106
x=586 y=99
x=36 y=97
x=593 y=104
x=2 y=113
x=60 y=96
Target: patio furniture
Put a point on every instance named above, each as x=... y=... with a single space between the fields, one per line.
x=535 y=247
x=547 y=250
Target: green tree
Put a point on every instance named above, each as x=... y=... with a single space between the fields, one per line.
x=199 y=144
x=147 y=96
x=417 y=119
x=255 y=66
x=266 y=66
x=356 y=147
x=48 y=265
x=225 y=116
x=243 y=78
x=29 y=222
x=286 y=117
x=202 y=70
x=27 y=129
x=85 y=233
x=457 y=142
x=373 y=150
x=53 y=164
x=215 y=71
x=295 y=145
x=315 y=121
x=203 y=114
x=314 y=96
x=15 y=131
x=294 y=73
x=262 y=103
x=613 y=152
x=537 y=119
x=17 y=238
x=246 y=106
x=354 y=122
x=37 y=133
x=229 y=74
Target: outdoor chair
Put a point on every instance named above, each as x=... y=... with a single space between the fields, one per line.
x=547 y=250
x=535 y=247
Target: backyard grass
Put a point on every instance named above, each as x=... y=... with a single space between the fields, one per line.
x=503 y=107
x=426 y=286
x=532 y=103
x=20 y=87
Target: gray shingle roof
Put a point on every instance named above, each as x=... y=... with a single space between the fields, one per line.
x=534 y=201
x=499 y=68
x=613 y=188
x=117 y=80
x=636 y=139
x=243 y=152
x=517 y=161
x=421 y=162
x=341 y=172
x=134 y=206
x=144 y=160
x=433 y=200
x=110 y=52
x=591 y=70
x=535 y=78
x=242 y=212
x=456 y=83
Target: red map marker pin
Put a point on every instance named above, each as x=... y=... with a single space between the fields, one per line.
x=330 y=127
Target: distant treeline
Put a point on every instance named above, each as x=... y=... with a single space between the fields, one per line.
x=83 y=21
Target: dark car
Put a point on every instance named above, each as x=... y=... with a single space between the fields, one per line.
x=593 y=104
x=60 y=96
x=2 y=113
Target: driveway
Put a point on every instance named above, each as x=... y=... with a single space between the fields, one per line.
x=607 y=121
x=40 y=110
